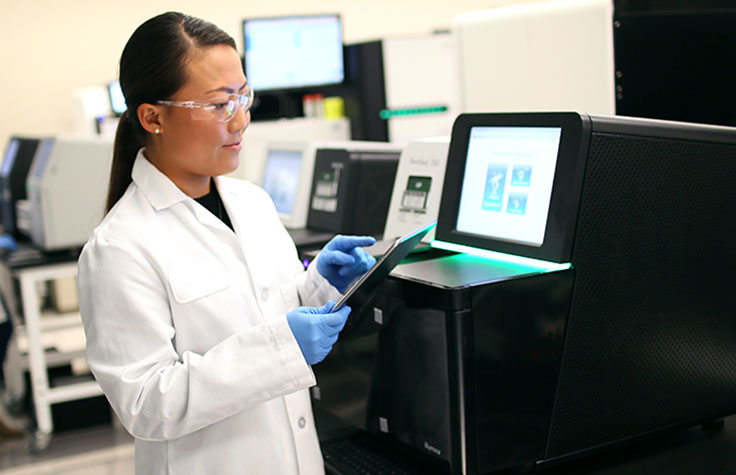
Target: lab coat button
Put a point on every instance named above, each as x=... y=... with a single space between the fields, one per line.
x=302 y=422
x=264 y=294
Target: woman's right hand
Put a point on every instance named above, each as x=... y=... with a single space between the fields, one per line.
x=316 y=329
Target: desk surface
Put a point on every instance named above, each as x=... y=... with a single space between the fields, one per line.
x=29 y=255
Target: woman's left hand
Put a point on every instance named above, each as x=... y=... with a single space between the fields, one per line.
x=342 y=260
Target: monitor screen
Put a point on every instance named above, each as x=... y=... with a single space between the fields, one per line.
x=281 y=178
x=117 y=100
x=293 y=52
x=513 y=183
x=507 y=185
x=9 y=157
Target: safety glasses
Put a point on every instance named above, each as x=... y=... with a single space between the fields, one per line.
x=221 y=109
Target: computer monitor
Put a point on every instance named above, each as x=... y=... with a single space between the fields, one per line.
x=293 y=52
x=288 y=178
x=510 y=184
x=117 y=100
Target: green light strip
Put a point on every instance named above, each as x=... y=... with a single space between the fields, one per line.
x=386 y=114
x=544 y=266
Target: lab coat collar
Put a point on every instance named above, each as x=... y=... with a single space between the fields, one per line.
x=228 y=193
x=162 y=193
x=157 y=187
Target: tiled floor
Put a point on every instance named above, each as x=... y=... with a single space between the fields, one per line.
x=102 y=450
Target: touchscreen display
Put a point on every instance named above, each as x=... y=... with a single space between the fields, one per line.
x=507 y=185
x=281 y=179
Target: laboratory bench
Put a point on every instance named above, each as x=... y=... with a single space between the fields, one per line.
x=44 y=339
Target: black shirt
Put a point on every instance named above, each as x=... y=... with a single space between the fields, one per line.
x=214 y=205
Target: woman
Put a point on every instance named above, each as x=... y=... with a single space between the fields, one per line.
x=191 y=289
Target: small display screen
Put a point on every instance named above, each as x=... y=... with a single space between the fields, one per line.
x=289 y=52
x=117 y=100
x=416 y=193
x=9 y=158
x=281 y=179
x=507 y=185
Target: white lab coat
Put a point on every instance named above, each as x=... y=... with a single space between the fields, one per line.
x=187 y=334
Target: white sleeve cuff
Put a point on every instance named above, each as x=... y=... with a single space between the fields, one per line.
x=301 y=373
x=315 y=290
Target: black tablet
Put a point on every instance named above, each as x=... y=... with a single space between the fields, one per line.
x=390 y=259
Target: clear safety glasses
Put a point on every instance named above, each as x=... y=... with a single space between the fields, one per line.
x=221 y=109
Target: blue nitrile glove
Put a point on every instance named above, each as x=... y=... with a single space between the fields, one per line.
x=342 y=259
x=7 y=243
x=316 y=329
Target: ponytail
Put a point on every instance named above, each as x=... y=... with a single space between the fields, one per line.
x=127 y=144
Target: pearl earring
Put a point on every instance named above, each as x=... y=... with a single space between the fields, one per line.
x=158 y=131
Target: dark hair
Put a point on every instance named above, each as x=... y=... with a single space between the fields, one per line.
x=152 y=67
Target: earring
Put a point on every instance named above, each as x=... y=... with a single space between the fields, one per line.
x=158 y=131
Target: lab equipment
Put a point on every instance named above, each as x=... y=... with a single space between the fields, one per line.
x=539 y=56
x=661 y=69
x=415 y=198
x=569 y=327
x=288 y=174
x=16 y=164
x=66 y=188
x=254 y=156
x=364 y=94
x=293 y=52
x=349 y=193
x=91 y=112
x=385 y=93
x=288 y=178
x=316 y=329
x=335 y=178
x=420 y=81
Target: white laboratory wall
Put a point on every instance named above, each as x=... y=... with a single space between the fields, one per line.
x=50 y=48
